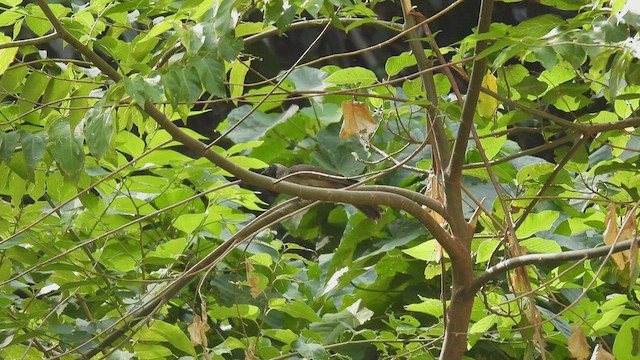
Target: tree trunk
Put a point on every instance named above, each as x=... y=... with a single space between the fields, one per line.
x=459 y=312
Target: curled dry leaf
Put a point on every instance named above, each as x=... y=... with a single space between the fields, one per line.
x=357 y=119
x=198 y=331
x=611 y=235
x=253 y=279
x=514 y=283
x=629 y=231
x=250 y=354
x=435 y=191
x=577 y=344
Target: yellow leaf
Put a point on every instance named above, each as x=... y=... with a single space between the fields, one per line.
x=487 y=104
x=6 y=55
x=357 y=119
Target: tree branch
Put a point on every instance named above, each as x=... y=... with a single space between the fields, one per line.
x=544 y=259
x=33 y=41
x=441 y=143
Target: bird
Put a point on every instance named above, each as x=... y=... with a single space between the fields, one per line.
x=310 y=175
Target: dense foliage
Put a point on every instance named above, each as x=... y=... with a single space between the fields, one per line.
x=131 y=228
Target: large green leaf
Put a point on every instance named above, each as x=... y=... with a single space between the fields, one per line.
x=8 y=142
x=34 y=146
x=353 y=75
x=174 y=335
x=212 y=74
x=98 y=131
x=67 y=148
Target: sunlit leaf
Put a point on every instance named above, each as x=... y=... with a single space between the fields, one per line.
x=487 y=104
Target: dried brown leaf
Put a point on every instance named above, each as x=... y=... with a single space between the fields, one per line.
x=198 y=331
x=578 y=345
x=601 y=354
x=253 y=279
x=250 y=354
x=435 y=191
x=357 y=119
x=611 y=235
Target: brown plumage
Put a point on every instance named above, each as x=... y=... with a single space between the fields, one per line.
x=314 y=176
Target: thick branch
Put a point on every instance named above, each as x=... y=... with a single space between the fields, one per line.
x=454 y=170
x=544 y=259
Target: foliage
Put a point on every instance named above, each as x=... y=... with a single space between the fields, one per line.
x=106 y=223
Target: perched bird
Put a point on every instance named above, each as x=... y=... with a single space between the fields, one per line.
x=310 y=175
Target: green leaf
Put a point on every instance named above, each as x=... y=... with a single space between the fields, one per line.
x=15 y=241
x=223 y=16
x=237 y=75
x=286 y=336
x=66 y=148
x=174 y=336
x=229 y=47
x=58 y=90
x=395 y=64
x=427 y=306
x=13 y=78
x=182 y=85
x=310 y=350
x=542 y=246
x=33 y=146
x=618 y=70
x=99 y=130
x=212 y=75
x=354 y=75
x=608 y=317
x=481 y=326
x=627 y=340
x=297 y=309
x=425 y=251
x=485 y=250
x=32 y=91
x=135 y=88
x=37 y=21
x=535 y=223
x=8 y=143
x=171 y=249
x=151 y=351
x=243 y=311
x=257 y=124
x=188 y=223
x=308 y=79
x=10 y=16
x=538 y=173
